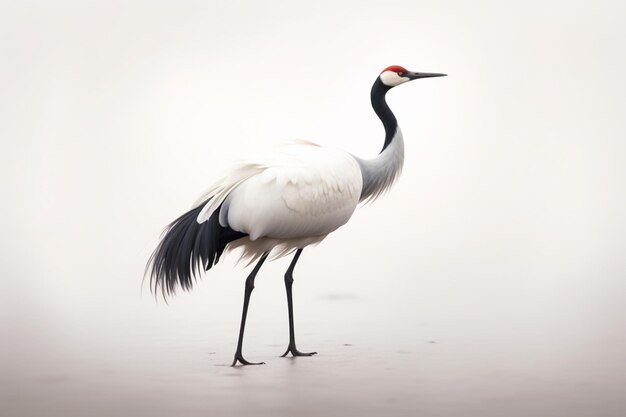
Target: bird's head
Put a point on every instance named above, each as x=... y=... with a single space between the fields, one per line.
x=396 y=75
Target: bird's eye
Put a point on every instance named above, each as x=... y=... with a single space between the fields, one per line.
x=400 y=73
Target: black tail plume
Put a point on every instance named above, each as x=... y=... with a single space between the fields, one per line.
x=185 y=247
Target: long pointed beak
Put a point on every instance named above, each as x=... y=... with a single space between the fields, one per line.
x=416 y=75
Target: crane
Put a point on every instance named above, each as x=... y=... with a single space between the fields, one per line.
x=279 y=202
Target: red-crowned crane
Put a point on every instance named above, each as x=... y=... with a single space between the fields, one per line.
x=279 y=202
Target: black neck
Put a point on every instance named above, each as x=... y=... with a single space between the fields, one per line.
x=383 y=111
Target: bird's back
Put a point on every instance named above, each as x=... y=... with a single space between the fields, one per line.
x=302 y=190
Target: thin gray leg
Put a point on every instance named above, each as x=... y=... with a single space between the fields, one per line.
x=292 y=335
x=246 y=301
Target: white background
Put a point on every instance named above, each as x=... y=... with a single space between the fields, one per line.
x=489 y=281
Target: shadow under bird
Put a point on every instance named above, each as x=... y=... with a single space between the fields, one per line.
x=279 y=203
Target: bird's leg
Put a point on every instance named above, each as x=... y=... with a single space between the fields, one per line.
x=246 y=301
x=288 y=284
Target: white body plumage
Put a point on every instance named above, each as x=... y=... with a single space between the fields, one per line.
x=296 y=195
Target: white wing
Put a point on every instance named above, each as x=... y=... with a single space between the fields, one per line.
x=299 y=190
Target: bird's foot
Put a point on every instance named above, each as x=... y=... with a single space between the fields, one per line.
x=239 y=358
x=295 y=352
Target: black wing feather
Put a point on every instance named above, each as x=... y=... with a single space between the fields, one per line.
x=185 y=247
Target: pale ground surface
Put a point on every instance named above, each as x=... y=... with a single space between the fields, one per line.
x=369 y=368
